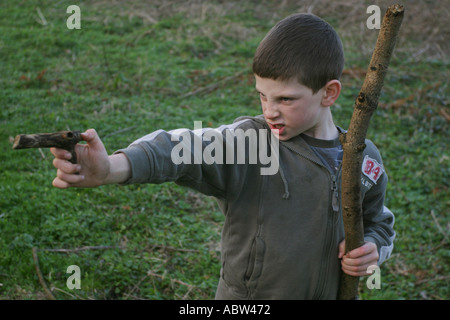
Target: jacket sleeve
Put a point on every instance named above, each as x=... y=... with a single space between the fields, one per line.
x=175 y=156
x=193 y=158
x=378 y=219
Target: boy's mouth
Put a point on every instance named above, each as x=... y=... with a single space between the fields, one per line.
x=277 y=127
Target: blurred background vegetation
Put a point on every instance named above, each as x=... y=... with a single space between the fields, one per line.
x=138 y=66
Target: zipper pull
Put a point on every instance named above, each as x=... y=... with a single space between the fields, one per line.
x=335 y=196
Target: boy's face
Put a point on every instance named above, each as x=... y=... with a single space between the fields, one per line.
x=291 y=108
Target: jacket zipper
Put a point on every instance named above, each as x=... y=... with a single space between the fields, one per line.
x=335 y=195
x=335 y=207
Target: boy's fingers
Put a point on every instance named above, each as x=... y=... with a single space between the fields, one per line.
x=353 y=262
x=341 y=249
x=92 y=138
x=69 y=178
x=356 y=271
x=356 y=262
x=61 y=153
x=360 y=261
x=368 y=248
x=360 y=267
x=65 y=166
x=355 y=253
x=58 y=183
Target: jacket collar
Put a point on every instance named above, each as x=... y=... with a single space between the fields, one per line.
x=299 y=143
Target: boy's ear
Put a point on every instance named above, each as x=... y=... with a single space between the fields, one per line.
x=331 y=92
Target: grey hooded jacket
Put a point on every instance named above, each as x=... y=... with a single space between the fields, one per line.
x=281 y=232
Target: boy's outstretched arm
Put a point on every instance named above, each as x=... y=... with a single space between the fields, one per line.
x=94 y=167
x=356 y=262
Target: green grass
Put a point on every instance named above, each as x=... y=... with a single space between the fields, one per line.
x=134 y=68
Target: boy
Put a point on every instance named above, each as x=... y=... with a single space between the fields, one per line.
x=283 y=232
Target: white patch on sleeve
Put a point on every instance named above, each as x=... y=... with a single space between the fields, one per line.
x=372 y=169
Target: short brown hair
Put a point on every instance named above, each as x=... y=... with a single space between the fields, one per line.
x=301 y=46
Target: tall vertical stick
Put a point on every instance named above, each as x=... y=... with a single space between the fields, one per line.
x=353 y=142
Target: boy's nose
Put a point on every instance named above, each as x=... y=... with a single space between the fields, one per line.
x=271 y=110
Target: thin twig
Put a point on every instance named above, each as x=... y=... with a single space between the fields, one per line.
x=42 y=21
x=438 y=225
x=214 y=86
x=119 y=131
x=169 y=248
x=42 y=154
x=47 y=291
x=136 y=286
x=189 y=286
x=437 y=278
x=63 y=291
x=74 y=250
x=85 y=248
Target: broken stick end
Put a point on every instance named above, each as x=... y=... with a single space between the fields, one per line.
x=16 y=144
x=396 y=9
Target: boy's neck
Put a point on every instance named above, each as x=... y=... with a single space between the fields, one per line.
x=325 y=131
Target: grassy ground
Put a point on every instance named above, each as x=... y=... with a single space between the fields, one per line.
x=135 y=67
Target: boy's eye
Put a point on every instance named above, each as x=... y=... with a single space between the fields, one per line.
x=285 y=99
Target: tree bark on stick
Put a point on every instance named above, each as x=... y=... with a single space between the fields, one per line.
x=353 y=141
x=62 y=139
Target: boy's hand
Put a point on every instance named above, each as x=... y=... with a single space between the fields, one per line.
x=356 y=262
x=93 y=165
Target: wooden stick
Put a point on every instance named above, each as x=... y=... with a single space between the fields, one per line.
x=63 y=140
x=353 y=142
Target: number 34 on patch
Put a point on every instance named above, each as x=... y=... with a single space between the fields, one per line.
x=372 y=169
